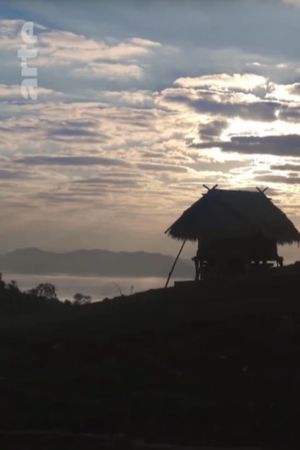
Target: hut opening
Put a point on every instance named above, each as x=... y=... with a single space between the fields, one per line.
x=237 y=232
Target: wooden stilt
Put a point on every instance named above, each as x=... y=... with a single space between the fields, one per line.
x=174 y=264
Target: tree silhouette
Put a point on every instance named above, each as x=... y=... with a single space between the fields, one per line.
x=12 y=286
x=46 y=290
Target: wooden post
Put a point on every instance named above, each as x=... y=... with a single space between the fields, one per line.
x=174 y=264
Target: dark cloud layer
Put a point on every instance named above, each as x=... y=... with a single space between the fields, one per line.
x=71 y=132
x=279 y=179
x=286 y=167
x=288 y=145
x=290 y=114
x=212 y=130
x=162 y=168
x=208 y=104
x=12 y=175
x=108 y=181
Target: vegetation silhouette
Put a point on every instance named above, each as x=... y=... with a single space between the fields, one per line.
x=81 y=299
x=40 y=298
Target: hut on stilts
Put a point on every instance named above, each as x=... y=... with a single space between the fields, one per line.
x=237 y=232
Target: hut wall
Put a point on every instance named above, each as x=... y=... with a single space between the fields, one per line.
x=249 y=249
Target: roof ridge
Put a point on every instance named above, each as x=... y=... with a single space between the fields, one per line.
x=222 y=212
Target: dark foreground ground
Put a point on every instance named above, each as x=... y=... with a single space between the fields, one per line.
x=215 y=366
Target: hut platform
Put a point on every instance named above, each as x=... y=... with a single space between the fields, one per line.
x=186 y=283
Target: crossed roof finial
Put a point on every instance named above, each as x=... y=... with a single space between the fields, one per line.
x=210 y=189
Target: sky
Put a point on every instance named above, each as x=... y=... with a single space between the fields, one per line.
x=138 y=105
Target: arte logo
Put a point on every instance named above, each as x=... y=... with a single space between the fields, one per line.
x=29 y=85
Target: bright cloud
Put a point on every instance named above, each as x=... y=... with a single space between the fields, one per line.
x=223 y=82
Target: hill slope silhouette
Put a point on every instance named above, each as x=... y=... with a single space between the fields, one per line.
x=216 y=364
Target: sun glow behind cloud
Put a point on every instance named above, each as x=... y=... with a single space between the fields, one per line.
x=239 y=127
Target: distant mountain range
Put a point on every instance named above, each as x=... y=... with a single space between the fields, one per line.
x=91 y=262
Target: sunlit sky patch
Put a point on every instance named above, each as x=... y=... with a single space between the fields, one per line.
x=139 y=105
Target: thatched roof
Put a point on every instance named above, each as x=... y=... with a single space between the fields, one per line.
x=227 y=214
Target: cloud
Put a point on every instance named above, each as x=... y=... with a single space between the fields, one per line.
x=238 y=95
x=108 y=181
x=61 y=46
x=224 y=82
x=72 y=132
x=10 y=34
x=162 y=168
x=295 y=88
x=279 y=179
x=13 y=175
x=290 y=114
x=292 y=2
x=13 y=92
x=212 y=130
x=216 y=166
x=65 y=47
x=40 y=160
x=267 y=145
x=89 y=64
x=206 y=103
x=286 y=167
x=109 y=71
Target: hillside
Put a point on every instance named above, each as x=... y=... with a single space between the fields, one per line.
x=213 y=365
x=92 y=262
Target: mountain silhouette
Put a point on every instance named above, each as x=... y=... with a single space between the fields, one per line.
x=91 y=262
